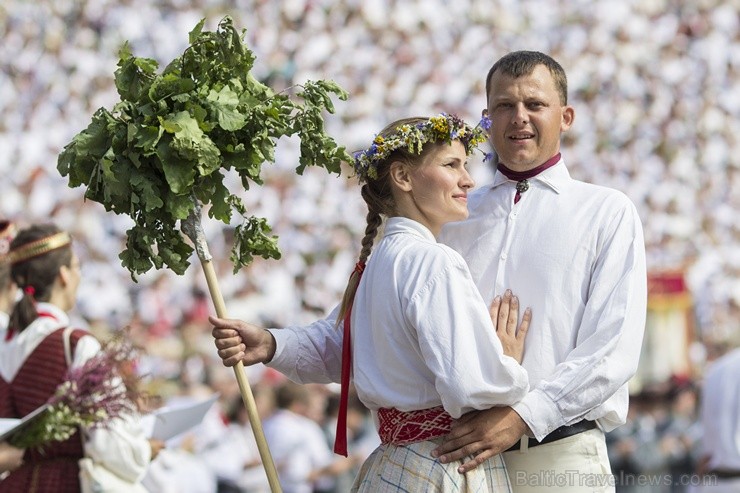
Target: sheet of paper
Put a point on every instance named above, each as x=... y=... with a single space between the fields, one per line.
x=7 y=424
x=169 y=421
x=10 y=426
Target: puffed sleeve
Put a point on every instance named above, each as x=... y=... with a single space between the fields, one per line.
x=122 y=447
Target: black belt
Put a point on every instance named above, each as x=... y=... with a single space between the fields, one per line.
x=558 y=434
x=725 y=473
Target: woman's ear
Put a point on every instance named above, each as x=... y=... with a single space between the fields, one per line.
x=400 y=176
x=63 y=275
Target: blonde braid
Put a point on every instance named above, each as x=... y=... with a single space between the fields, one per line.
x=374 y=220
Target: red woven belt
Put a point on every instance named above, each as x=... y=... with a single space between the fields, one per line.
x=402 y=428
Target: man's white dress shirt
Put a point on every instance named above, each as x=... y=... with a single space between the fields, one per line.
x=573 y=252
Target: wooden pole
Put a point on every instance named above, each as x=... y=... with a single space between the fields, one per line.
x=244 y=387
x=194 y=230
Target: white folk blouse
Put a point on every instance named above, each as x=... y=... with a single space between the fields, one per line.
x=422 y=335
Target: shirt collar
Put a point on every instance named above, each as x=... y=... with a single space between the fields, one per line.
x=398 y=224
x=554 y=177
x=54 y=311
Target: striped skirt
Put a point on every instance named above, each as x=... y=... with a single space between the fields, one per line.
x=412 y=469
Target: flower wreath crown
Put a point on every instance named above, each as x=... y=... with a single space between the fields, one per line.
x=442 y=127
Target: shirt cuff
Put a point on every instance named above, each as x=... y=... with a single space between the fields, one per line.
x=540 y=413
x=279 y=360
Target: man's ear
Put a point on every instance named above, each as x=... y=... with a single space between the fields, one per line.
x=400 y=177
x=569 y=114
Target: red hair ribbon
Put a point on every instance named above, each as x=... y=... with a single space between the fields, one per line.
x=29 y=290
x=340 y=441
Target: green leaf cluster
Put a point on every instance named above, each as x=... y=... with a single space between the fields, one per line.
x=173 y=134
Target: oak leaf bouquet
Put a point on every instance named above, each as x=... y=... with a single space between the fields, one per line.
x=160 y=154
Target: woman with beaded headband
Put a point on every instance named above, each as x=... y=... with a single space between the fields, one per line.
x=34 y=360
x=424 y=346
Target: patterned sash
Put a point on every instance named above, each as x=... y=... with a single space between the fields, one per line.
x=402 y=428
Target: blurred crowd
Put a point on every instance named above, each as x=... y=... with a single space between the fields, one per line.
x=654 y=84
x=660 y=448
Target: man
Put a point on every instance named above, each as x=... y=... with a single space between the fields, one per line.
x=721 y=424
x=572 y=251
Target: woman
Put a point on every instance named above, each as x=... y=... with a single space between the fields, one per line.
x=37 y=355
x=424 y=348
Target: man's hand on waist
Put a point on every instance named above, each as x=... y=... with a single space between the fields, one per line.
x=481 y=434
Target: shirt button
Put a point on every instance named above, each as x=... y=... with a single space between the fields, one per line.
x=503 y=256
